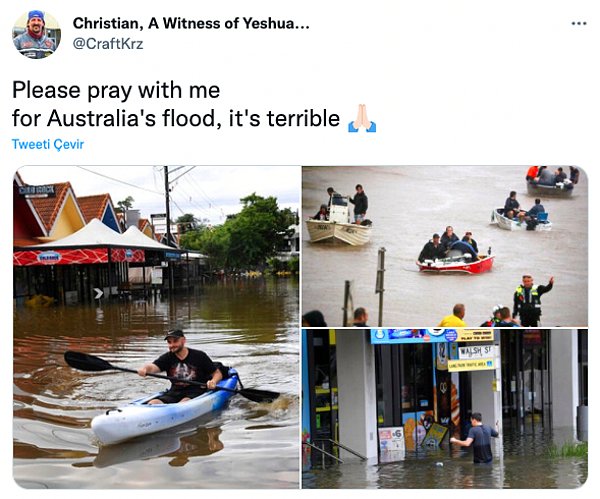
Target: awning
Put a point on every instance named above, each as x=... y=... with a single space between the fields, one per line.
x=92 y=244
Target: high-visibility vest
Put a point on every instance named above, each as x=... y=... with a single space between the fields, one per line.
x=532 y=300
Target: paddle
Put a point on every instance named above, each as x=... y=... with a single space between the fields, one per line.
x=85 y=362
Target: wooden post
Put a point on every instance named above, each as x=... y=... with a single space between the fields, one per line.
x=379 y=288
x=347 y=302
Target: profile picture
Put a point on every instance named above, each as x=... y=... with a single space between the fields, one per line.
x=36 y=34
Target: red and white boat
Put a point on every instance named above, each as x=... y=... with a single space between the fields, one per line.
x=482 y=264
x=457 y=261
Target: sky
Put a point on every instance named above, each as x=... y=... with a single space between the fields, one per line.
x=209 y=192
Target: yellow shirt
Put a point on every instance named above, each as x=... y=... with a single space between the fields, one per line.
x=452 y=321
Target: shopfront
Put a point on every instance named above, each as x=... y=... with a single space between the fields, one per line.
x=403 y=390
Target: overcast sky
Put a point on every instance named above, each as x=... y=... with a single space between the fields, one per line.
x=211 y=192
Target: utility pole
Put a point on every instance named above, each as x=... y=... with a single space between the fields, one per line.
x=168 y=206
x=169 y=239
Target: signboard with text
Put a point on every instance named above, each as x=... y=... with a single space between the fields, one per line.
x=476 y=352
x=471 y=365
x=391 y=444
x=431 y=335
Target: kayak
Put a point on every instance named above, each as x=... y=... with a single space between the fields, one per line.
x=139 y=418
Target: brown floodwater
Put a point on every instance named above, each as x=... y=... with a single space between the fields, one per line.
x=407 y=205
x=521 y=461
x=250 y=324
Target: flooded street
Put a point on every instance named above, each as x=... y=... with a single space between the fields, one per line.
x=250 y=324
x=407 y=205
x=521 y=461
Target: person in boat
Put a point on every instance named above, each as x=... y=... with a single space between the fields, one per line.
x=573 y=174
x=432 y=250
x=512 y=208
x=331 y=192
x=545 y=176
x=536 y=209
x=495 y=319
x=560 y=176
x=456 y=318
x=527 y=301
x=468 y=238
x=464 y=248
x=322 y=213
x=361 y=204
x=360 y=317
x=531 y=173
x=448 y=237
x=480 y=438
x=505 y=319
x=185 y=364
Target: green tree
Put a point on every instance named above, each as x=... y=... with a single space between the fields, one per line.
x=246 y=240
x=124 y=204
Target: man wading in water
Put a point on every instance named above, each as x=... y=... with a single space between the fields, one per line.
x=480 y=437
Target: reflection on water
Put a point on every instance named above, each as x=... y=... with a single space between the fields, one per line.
x=248 y=324
x=521 y=461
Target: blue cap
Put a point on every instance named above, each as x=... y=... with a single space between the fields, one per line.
x=36 y=13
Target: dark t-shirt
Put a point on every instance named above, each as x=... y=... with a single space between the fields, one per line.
x=482 y=443
x=197 y=366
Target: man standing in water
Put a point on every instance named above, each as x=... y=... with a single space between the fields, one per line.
x=480 y=437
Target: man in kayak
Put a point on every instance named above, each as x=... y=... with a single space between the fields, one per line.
x=527 y=301
x=432 y=250
x=185 y=364
x=480 y=437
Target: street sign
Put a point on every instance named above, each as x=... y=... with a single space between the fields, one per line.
x=99 y=293
x=455 y=366
x=476 y=352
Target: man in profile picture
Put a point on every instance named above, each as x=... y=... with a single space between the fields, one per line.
x=34 y=43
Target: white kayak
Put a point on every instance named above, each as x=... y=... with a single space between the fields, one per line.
x=139 y=418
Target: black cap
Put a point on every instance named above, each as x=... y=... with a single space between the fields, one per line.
x=175 y=333
x=436 y=235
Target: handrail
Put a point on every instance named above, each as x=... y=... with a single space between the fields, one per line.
x=323 y=451
x=342 y=446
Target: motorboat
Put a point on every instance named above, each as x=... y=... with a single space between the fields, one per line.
x=338 y=225
x=562 y=189
x=539 y=224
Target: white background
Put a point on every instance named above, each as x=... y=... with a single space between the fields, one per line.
x=447 y=82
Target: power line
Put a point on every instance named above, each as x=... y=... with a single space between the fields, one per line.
x=120 y=181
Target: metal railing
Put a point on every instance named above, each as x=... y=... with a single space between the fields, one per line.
x=334 y=443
